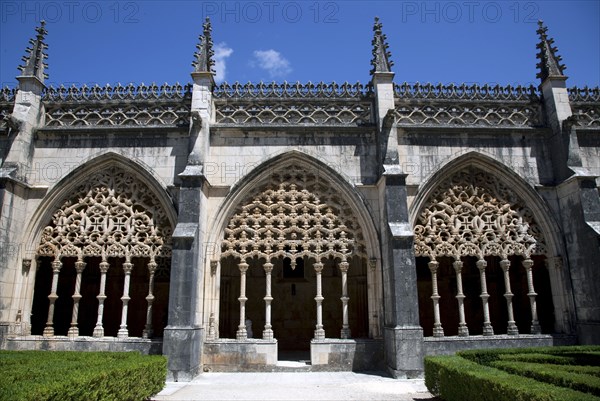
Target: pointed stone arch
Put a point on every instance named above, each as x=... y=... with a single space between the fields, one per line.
x=477 y=215
x=294 y=207
x=295 y=160
x=107 y=213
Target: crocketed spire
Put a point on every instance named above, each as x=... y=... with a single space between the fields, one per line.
x=203 y=57
x=34 y=59
x=381 y=61
x=549 y=65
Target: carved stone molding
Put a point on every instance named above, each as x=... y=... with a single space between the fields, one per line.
x=287 y=113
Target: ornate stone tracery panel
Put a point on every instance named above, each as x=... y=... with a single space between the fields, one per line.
x=111 y=214
x=295 y=214
x=474 y=214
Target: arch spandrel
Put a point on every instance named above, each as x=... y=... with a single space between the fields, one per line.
x=473 y=213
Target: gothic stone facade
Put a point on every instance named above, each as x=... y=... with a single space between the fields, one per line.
x=370 y=224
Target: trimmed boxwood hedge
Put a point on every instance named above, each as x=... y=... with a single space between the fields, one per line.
x=553 y=374
x=474 y=375
x=71 y=376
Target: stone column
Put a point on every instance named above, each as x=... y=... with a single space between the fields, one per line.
x=487 y=325
x=463 y=330
x=25 y=328
x=512 y=327
x=345 y=333
x=242 y=333
x=402 y=331
x=99 y=329
x=535 y=326
x=147 y=333
x=184 y=335
x=123 y=332
x=374 y=299
x=49 y=330
x=212 y=332
x=74 y=330
x=438 y=330
x=268 y=331
x=319 y=331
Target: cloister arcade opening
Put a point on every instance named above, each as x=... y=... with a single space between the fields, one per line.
x=103 y=261
x=481 y=260
x=294 y=264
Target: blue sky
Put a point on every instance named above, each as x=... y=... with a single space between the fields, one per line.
x=436 y=41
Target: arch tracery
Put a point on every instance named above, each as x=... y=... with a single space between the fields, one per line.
x=294 y=213
x=112 y=214
x=473 y=213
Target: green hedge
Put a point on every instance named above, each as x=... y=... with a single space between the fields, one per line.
x=580 y=354
x=454 y=378
x=70 y=376
x=553 y=374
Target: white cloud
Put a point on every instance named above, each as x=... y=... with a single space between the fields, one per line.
x=273 y=62
x=221 y=53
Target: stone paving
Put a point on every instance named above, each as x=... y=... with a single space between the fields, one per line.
x=327 y=386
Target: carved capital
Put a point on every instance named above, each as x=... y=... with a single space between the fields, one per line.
x=318 y=267
x=268 y=267
x=56 y=266
x=104 y=267
x=243 y=267
x=505 y=264
x=214 y=264
x=79 y=266
x=528 y=263
x=152 y=267
x=26 y=265
x=127 y=267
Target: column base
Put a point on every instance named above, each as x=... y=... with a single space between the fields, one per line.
x=183 y=348
x=241 y=334
x=147 y=333
x=98 y=331
x=512 y=329
x=535 y=328
x=122 y=333
x=404 y=351
x=73 y=332
x=488 y=330
x=438 y=330
x=319 y=334
x=345 y=334
x=463 y=330
x=48 y=332
x=268 y=334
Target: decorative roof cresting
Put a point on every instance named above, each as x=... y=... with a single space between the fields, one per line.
x=382 y=58
x=549 y=65
x=203 y=57
x=34 y=59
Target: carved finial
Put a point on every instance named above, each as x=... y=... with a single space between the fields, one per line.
x=549 y=65
x=381 y=61
x=34 y=59
x=205 y=52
